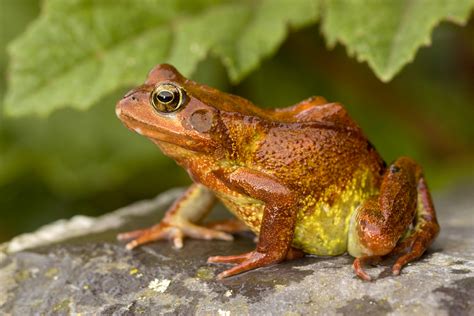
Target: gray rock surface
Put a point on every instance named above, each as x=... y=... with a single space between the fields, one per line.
x=76 y=267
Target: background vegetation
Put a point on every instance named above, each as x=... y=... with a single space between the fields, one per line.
x=63 y=152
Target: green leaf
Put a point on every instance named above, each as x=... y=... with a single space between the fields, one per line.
x=78 y=51
x=241 y=34
x=387 y=34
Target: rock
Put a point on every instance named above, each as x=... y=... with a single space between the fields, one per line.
x=76 y=267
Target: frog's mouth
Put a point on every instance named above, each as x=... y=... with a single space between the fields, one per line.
x=163 y=130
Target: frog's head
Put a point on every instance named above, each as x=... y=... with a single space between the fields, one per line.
x=168 y=108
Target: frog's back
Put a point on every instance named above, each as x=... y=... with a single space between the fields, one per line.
x=312 y=157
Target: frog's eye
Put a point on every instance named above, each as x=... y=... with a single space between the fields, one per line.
x=167 y=98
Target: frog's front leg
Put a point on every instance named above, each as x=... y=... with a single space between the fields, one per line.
x=383 y=224
x=277 y=228
x=179 y=221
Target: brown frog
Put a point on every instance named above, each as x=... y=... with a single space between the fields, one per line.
x=305 y=179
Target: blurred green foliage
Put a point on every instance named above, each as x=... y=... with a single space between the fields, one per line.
x=82 y=53
x=78 y=44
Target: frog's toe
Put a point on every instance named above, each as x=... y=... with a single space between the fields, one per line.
x=174 y=232
x=177 y=239
x=248 y=261
x=229 y=259
x=129 y=235
x=141 y=236
x=358 y=267
x=199 y=232
x=144 y=236
x=245 y=262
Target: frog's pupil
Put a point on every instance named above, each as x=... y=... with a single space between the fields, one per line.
x=165 y=96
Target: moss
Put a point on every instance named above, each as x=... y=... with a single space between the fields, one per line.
x=205 y=273
x=63 y=306
x=51 y=273
x=22 y=275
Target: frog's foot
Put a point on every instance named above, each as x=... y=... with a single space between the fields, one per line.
x=359 y=263
x=179 y=220
x=378 y=225
x=173 y=232
x=416 y=250
x=245 y=262
x=231 y=226
x=251 y=260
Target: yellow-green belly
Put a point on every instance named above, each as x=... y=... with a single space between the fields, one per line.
x=321 y=228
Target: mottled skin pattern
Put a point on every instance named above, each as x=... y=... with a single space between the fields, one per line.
x=304 y=178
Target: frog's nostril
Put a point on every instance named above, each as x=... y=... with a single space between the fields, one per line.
x=129 y=93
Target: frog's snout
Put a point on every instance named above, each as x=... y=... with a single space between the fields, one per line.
x=123 y=104
x=129 y=101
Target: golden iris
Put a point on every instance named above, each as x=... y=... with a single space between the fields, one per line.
x=167 y=98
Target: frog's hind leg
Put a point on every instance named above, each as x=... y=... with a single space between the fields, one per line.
x=426 y=228
x=378 y=226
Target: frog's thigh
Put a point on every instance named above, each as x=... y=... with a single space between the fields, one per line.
x=377 y=225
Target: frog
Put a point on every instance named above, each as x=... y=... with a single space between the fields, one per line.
x=305 y=178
